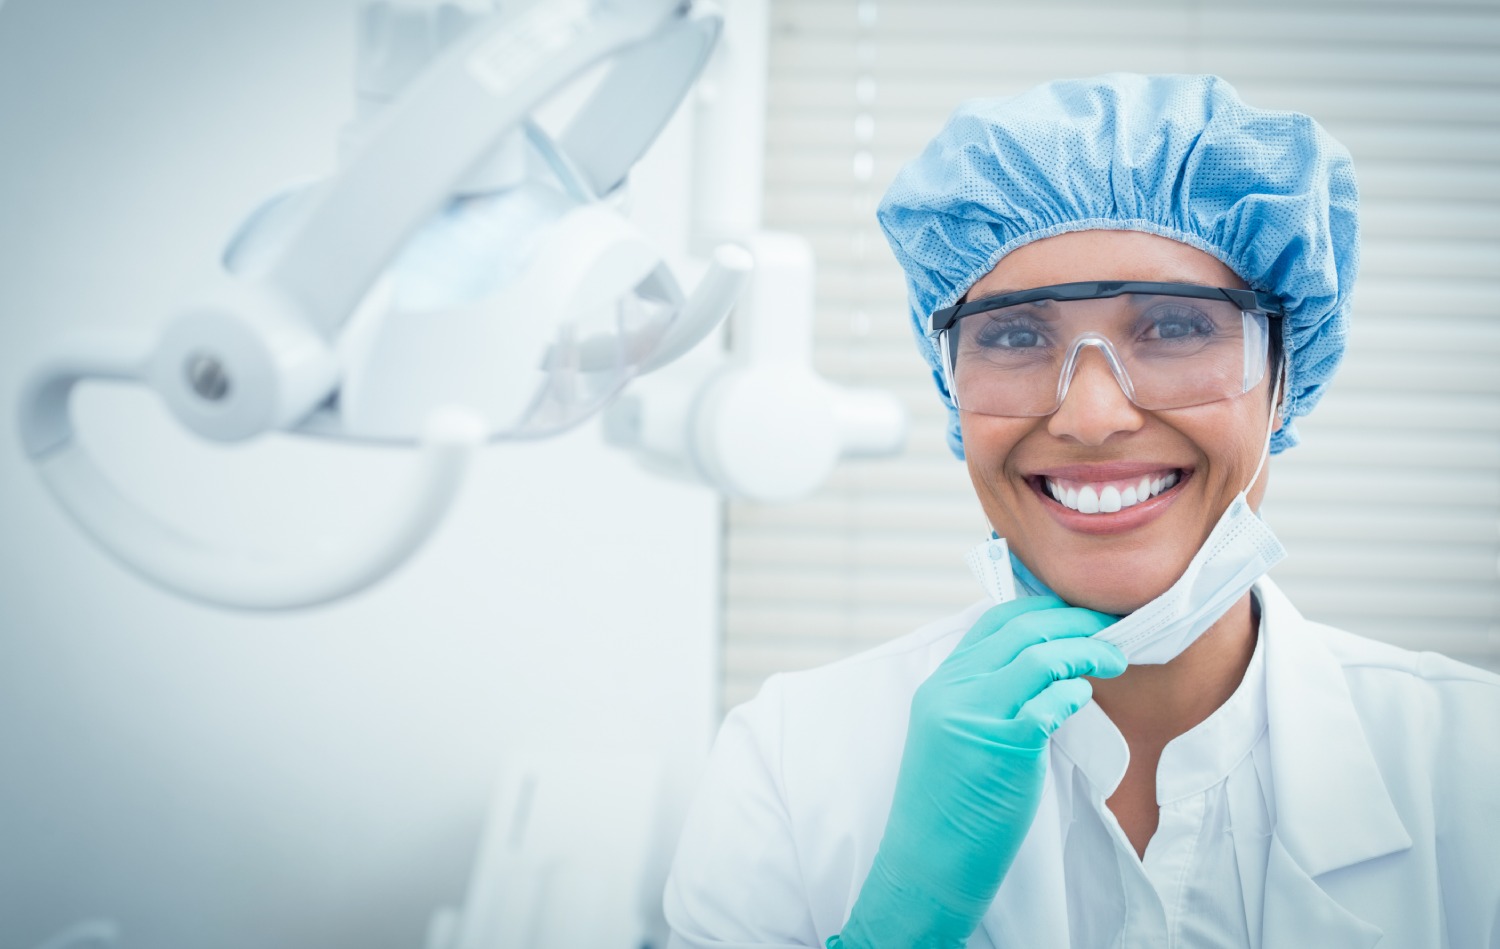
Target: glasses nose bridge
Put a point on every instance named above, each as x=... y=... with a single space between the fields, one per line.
x=1106 y=350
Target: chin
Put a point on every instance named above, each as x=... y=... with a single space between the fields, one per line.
x=1117 y=592
x=1103 y=601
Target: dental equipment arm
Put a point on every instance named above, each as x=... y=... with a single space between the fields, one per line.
x=762 y=425
x=200 y=570
x=759 y=423
x=247 y=355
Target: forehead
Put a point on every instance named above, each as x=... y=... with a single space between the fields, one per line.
x=1102 y=255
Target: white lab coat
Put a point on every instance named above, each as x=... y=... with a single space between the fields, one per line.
x=1384 y=786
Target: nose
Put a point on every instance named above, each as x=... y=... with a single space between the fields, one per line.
x=1095 y=408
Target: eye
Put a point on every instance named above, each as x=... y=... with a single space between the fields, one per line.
x=1177 y=323
x=1010 y=334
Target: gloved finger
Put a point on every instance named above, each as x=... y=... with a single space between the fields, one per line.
x=998 y=616
x=1032 y=628
x=1038 y=666
x=1045 y=712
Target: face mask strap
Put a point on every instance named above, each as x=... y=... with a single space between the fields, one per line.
x=1265 y=451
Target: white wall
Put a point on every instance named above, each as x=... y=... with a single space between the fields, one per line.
x=305 y=780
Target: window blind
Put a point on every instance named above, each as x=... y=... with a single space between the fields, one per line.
x=1391 y=506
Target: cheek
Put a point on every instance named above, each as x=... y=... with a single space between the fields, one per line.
x=988 y=444
x=1231 y=440
x=1255 y=431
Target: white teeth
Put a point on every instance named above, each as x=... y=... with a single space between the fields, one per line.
x=1107 y=499
x=1088 y=501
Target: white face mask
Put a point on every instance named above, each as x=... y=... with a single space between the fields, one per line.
x=1239 y=550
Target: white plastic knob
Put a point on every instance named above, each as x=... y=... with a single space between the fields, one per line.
x=767 y=434
x=238 y=362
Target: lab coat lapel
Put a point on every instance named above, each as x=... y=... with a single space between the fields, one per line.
x=1331 y=806
x=1299 y=913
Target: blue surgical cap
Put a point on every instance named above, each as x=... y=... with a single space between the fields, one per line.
x=1270 y=194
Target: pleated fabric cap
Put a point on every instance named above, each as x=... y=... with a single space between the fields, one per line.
x=1270 y=194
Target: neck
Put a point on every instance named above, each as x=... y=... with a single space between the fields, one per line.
x=1152 y=704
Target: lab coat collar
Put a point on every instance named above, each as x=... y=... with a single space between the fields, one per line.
x=1332 y=808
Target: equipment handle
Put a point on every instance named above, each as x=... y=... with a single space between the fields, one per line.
x=721 y=287
x=199 y=569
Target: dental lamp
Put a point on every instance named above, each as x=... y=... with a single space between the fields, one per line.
x=337 y=310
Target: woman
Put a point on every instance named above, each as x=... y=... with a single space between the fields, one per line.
x=1127 y=288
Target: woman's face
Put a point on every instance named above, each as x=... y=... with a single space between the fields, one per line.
x=1113 y=562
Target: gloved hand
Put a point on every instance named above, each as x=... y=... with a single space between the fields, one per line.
x=972 y=771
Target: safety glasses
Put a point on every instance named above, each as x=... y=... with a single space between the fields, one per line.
x=1168 y=345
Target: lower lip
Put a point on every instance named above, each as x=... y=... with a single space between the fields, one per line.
x=1125 y=519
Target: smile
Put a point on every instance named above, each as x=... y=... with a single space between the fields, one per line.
x=1109 y=497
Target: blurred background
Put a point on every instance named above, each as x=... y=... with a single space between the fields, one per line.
x=317 y=778
x=321 y=778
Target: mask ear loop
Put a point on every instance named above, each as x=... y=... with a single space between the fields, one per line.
x=1265 y=451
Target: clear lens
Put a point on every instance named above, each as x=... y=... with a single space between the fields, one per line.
x=1165 y=351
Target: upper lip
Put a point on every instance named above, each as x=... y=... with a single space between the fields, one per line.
x=1105 y=470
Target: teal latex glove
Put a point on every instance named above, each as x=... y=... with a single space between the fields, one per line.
x=972 y=771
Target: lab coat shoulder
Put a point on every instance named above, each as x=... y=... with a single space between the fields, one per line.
x=1422 y=707
x=1430 y=726
x=793 y=801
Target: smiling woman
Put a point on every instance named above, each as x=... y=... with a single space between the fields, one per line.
x=1127 y=288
